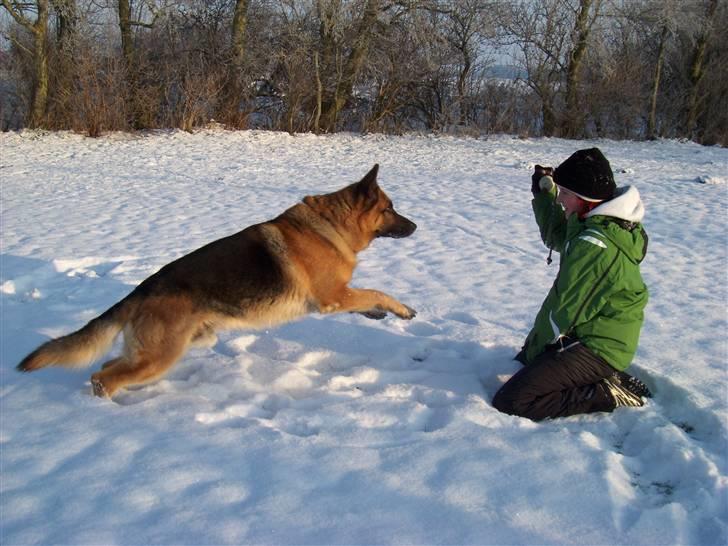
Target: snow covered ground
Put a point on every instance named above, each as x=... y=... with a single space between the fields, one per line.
x=343 y=430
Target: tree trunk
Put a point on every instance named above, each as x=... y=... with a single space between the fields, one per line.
x=127 y=43
x=582 y=28
x=549 y=118
x=39 y=30
x=40 y=93
x=234 y=87
x=345 y=84
x=697 y=71
x=328 y=12
x=319 y=94
x=66 y=11
x=651 y=123
x=240 y=22
x=462 y=83
x=134 y=102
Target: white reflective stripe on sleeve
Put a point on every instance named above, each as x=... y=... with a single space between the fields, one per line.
x=593 y=240
x=555 y=327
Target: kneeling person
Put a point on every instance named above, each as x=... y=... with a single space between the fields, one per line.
x=586 y=333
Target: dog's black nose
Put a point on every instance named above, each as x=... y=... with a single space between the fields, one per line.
x=404 y=227
x=411 y=227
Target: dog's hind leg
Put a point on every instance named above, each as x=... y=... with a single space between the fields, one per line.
x=97 y=384
x=146 y=366
x=99 y=380
x=153 y=343
x=204 y=337
x=113 y=362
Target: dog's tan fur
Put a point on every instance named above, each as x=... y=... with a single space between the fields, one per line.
x=267 y=274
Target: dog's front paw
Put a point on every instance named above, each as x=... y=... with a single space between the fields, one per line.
x=375 y=314
x=408 y=313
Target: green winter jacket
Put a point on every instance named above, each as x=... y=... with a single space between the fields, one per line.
x=598 y=296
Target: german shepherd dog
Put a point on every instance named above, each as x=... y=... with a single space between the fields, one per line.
x=269 y=273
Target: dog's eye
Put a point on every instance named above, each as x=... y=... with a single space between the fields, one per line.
x=390 y=208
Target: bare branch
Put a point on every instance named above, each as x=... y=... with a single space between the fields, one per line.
x=16 y=11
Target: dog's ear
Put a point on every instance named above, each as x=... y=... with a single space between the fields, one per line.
x=367 y=187
x=310 y=200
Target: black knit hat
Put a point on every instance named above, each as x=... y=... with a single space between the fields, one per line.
x=587 y=173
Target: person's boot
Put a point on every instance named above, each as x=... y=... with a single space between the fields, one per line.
x=621 y=396
x=633 y=385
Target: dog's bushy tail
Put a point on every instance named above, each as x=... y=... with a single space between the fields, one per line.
x=80 y=348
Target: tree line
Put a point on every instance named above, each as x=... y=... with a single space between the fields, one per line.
x=624 y=69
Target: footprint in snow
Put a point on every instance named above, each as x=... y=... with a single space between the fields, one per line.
x=465 y=318
x=670 y=451
x=423 y=329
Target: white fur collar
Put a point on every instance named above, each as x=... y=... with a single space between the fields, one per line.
x=626 y=205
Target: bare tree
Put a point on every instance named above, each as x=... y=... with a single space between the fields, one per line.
x=127 y=23
x=240 y=21
x=587 y=12
x=539 y=31
x=652 y=117
x=612 y=68
x=657 y=21
x=408 y=71
x=67 y=20
x=553 y=37
x=697 y=68
x=39 y=31
x=336 y=97
x=713 y=123
x=466 y=23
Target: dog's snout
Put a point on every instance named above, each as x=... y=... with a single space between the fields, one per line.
x=402 y=227
x=411 y=226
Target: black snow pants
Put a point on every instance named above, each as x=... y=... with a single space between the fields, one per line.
x=559 y=382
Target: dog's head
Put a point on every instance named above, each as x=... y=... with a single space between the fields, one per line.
x=363 y=211
x=377 y=210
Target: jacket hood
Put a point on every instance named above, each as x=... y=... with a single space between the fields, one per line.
x=628 y=234
x=625 y=205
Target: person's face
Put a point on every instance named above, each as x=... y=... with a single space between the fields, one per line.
x=570 y=202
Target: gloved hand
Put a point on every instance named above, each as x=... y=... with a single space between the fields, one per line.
x=542 y=179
